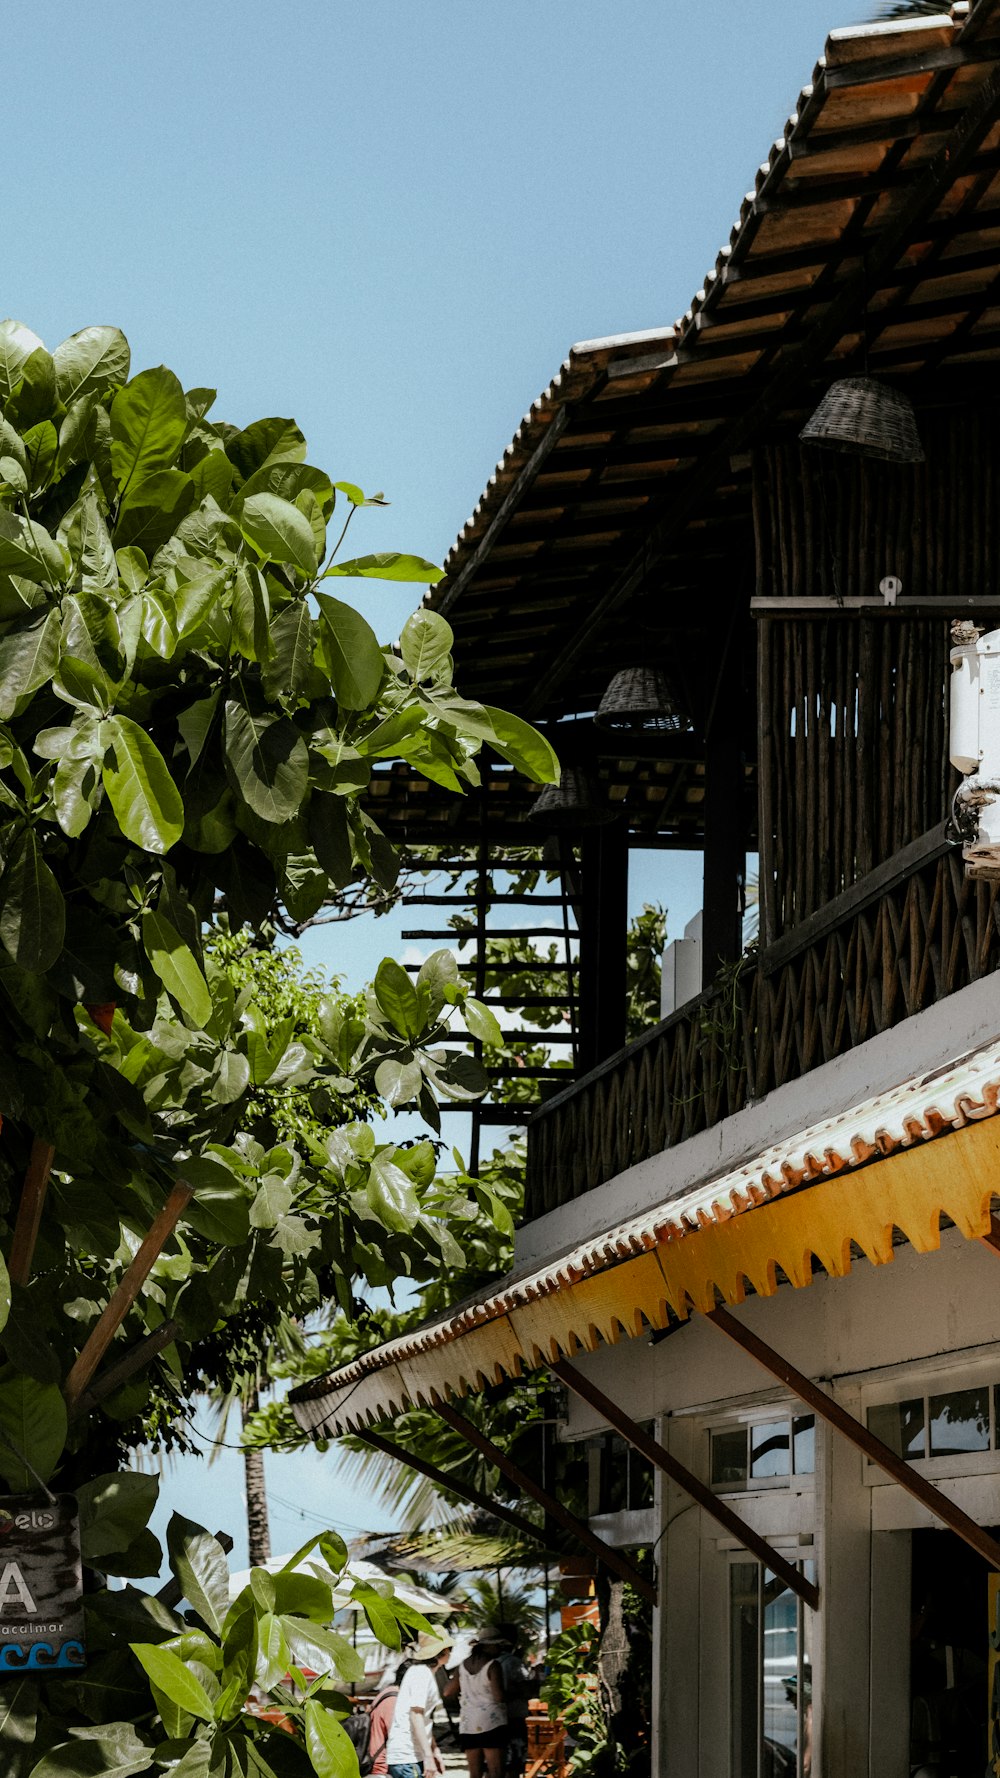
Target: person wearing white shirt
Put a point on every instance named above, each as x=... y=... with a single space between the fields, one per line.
x=411 y=1751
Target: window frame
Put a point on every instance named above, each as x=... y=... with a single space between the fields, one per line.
x=923 y=1384
x=796 y=1481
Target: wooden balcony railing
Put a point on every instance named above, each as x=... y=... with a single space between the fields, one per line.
x=909 y=934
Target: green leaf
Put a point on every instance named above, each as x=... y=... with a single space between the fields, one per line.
x=515 y=740
x=148 y=424
x=323 y=1650
x=279 y=531
x=28 y=658
x=482 y=1023
x=262 y=1588
x=398 y=1083
x=96 y=358
x=41 y=444
x=291 y=663
x=175 y=1678
x=198 y=1562
x=33 y=1418
x=34 y=398
x=113 y=1750
x=153 y=509
x=328 y=1745
x=273 y=1200
x=264 y=442
x=381 y=1619
x=355 y=659
x=272 y=1652
x=267 y=763
x=426 y=642
x=397 y=998
x=32 y=909
x=353 y=492
x=19 y=1700
x=213 y=474
x=219 y=1209
x=113 y=1511
x=133 y=569
x=386 y=565
x=392 y=1197
x=26 y=548
x=176 y=966
x=198 y=1762
x=144 y=797
x=17 y=343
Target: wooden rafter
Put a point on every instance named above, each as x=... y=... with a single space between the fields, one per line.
x=616 y=1560
x=713 y=1504
x=825 y=1408
x=442 y=1478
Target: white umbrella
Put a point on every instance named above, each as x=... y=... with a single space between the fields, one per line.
x=419 y=1598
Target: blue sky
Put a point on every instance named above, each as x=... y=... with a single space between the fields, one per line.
x=390 y=222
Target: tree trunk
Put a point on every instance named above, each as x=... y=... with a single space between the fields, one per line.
x=258 y=1530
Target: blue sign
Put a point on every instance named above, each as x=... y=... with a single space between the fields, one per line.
x=41 y=1584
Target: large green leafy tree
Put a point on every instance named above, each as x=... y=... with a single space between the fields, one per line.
x=188 y=719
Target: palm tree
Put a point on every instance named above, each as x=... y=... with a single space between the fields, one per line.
x=505 y=1603
x=911 y=9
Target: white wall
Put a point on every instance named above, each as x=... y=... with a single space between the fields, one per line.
x=924 y=1313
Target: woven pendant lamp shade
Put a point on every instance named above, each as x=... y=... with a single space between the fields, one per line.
x=572 y=803
x=639 y=700
x=867 y=419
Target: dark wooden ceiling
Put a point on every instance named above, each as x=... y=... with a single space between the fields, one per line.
x=618 y=526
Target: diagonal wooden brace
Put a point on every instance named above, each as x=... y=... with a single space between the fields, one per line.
x=710 y=1503
x=825 y=1408
x=616 y=1560
x=442 y=1479
x=29 y=1211
x=101 y=1336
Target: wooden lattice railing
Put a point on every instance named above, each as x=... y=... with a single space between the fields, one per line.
x=909 y=934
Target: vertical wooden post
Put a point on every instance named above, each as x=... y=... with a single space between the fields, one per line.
x=603 y=942
x=725 y=818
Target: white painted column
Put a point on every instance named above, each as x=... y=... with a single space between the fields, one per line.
x=842 y=1627
x=681 y=1750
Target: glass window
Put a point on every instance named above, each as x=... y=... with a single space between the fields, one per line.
x=900 y=1425
x=729 y=1457
x=960 y=1422
x=804 y=1444
x=770 y=1449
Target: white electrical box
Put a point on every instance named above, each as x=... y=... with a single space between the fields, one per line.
x=680 y=978
x=974 y=746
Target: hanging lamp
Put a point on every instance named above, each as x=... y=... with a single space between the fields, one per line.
x=639 y=700
x=571 y=803
x=866 y=418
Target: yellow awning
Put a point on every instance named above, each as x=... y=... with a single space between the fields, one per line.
x=927 y=1151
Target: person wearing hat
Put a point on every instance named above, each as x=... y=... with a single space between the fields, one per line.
x=482 y=1712
x=410 y=1750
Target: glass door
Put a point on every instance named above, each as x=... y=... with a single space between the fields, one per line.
x=770 y=1675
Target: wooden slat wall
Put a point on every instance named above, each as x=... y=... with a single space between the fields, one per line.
x=898 y=946
x=853 y=726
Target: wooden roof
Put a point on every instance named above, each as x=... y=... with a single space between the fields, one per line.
x=618 y=525
x=622 y=507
